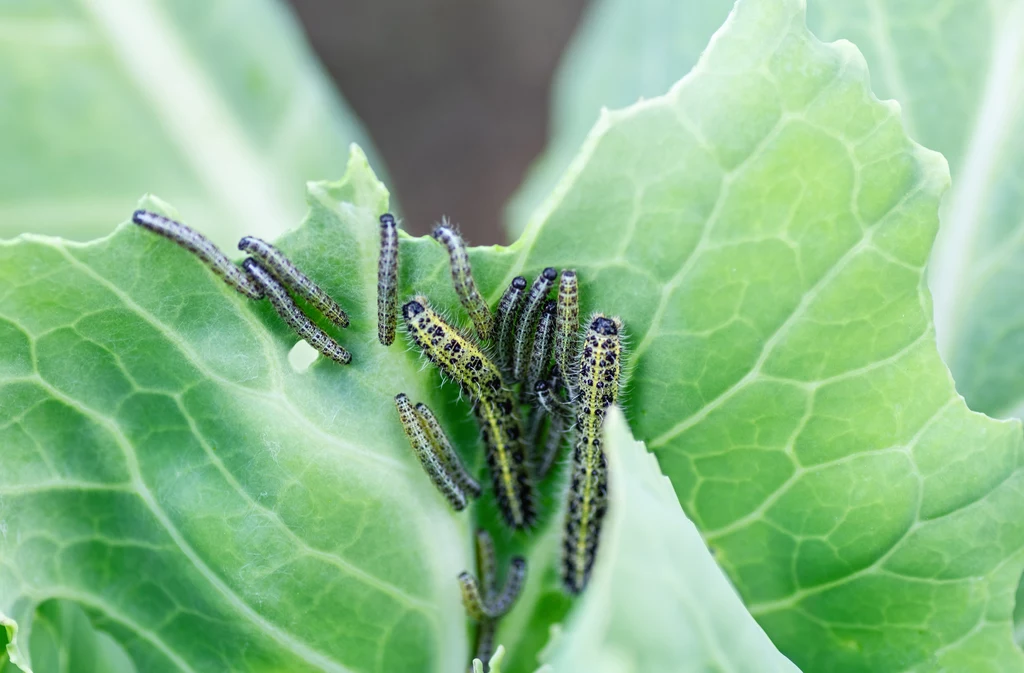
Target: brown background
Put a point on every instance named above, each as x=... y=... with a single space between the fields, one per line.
x=453 y=92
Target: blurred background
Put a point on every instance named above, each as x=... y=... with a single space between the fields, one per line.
x=454 y=93
x=224 y=108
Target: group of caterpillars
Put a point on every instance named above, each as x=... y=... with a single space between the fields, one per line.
x=565 y=389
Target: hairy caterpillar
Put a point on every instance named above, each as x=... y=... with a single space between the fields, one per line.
x=282 y=269
x=527 y=324
x=387 y=280
x=505 y=316
x=598 y=382
x=462 y=279
x=567 y=325
x=543 y=344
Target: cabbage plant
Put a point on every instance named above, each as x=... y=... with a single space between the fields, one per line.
x=795 y=482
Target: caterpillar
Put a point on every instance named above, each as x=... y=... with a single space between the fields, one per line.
x=527 y=323
x=462 y=279
x=567 y=325
x=201 y=247
x=419 y=439
x=387 y=280
x=445 y=452
x=282 y=269
x=494 y=406
x=499 y=603
x=543 y=344
x=291 y=314
x=598 y=381
x=505 y=317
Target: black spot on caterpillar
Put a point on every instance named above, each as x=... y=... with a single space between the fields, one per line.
x=286 y=273
x=462 y=279
x=387 y=280
x=494 y=405
x=598 y=388
x=291 y=314
x=420 y=440
x=201 y=247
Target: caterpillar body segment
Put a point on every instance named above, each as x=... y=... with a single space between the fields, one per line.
x=472 y=599
x=553 y=442
x=485 y=603
x=600 y=368
x=503 y=601
x=587 y=504
x=485 y=633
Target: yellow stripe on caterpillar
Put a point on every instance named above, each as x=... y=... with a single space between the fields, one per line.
x=600 y=367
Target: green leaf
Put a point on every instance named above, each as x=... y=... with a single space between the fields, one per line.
x=657 y=600
x=957 y=70
x=219 y=106
x=761 y=230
